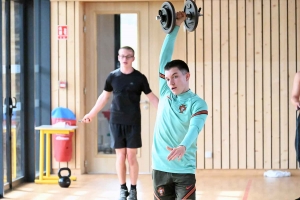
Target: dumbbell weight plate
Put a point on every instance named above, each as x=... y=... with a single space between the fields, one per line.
x=165 y=21
x=190 y=9
x=168 y=17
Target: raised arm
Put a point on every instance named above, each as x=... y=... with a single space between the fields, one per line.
x=166 y=53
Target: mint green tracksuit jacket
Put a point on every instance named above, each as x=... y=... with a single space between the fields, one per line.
x=179 y=120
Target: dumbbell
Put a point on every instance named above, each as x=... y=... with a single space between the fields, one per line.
x=167 y=16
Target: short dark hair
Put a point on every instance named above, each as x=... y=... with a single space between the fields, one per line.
x=180 y=64
x=128 y=48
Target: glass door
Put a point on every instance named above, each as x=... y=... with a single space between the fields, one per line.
x=12 y=59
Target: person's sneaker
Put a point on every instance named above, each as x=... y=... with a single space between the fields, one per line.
x=123 y=194
x=132 y=195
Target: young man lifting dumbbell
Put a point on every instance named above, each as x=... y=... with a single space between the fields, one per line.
x=180 y=117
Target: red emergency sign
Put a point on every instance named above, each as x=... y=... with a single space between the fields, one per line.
x=62 y=32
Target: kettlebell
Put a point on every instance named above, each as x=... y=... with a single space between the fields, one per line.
x=64 y=181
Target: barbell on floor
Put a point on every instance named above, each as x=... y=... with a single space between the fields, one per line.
x=167 y=16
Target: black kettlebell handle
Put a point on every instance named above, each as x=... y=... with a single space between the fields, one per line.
x=63 y=169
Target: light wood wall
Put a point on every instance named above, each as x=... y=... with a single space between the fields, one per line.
x=67 y=64
x=243 y=57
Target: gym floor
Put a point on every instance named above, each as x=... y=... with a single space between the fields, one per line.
x=211 y=185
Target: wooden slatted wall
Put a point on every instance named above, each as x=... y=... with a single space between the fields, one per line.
x=67 y=64
x=246 y=57
x=243 y=57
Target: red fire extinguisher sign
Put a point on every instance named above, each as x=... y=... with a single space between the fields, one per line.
x=62 y=32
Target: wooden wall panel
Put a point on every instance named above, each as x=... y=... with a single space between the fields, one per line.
x=207 y=62
x=284 y=90
x=62 y=54
x=225 y=120
x=262 y=62
x=199 y=82
x=90 y=84
x=250 y=131
x=63 y=68
x=144 y=61
x=54 y=56
x=258 y=86
x=155 y=34
x=242 y=110
x=70 y=66
x=79 y=83
x=250 y=84
x=66 y=65
x=267 y=84
x=216 y=84
x=275 y=126
x=191 y=57
x=233 y=86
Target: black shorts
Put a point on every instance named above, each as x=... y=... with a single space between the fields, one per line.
x=125 y=136
x=170 y=186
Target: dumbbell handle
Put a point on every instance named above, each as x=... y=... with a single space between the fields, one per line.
x=190 y=16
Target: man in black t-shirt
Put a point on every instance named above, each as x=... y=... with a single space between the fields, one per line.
x=127 y=85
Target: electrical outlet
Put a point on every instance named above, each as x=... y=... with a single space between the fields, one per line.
x=208 y=154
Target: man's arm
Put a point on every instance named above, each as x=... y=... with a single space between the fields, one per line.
x=196 y=125
x=296 y=91
x=166 y=53
x=153 y=99
x=100 y=103
x=194 y=130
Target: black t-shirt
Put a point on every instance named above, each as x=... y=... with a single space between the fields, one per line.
x=127 y=90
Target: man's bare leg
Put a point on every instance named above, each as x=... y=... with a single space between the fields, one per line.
x=120 y=165
x=133 y=165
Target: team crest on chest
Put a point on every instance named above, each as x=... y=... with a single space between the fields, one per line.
x=161 y=191
x=182 y=108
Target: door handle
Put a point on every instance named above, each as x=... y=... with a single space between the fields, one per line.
x=144 y=102
x=146 y=106
x=11 y=105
